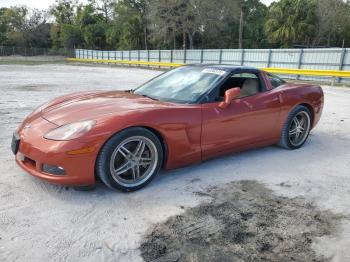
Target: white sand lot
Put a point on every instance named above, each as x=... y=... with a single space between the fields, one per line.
x=43 y=222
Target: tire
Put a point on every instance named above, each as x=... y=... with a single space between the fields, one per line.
x=295 y=124
x=130 y=159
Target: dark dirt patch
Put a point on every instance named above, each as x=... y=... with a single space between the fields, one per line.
x=32 y=88
x=244 y=221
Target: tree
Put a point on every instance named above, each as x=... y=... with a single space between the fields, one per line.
x=165 y=24
x=291 y=21
x=112 y=36
x=221 y=25
x=181 y=19
x=64 y=11
x=255 y=16
x=129 y=19
x=333 y=18
x=14 y=20
x=36 y=30
x=105 y=7
x=21 y=26
x=165 y=21
x=71 y=36
x=184 y=19
x=141 y=7
x=92 y=26
x=55 y=35
x=3 y=27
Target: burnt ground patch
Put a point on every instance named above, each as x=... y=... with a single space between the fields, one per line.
x=244 y=221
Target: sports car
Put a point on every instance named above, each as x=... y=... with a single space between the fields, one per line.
x=181 y=117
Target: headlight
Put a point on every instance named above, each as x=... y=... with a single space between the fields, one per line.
x=70 y=131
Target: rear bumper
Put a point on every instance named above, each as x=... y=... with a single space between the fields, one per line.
x=35 y=152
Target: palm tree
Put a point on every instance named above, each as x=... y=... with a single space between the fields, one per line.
x=291 y=21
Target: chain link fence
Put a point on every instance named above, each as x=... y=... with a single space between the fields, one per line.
x=7 y=51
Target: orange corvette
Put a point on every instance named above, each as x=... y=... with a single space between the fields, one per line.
x=184 y=116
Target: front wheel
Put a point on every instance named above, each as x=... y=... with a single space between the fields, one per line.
x=130 y=159
x=296 y=129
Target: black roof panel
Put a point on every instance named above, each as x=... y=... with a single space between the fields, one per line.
x=224 y=67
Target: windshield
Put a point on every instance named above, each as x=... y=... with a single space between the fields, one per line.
x=182 y=85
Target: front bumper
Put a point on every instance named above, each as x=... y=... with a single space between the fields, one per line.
x=35 y=153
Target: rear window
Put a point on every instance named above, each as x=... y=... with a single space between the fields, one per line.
x=275 y=80
x=246 y=75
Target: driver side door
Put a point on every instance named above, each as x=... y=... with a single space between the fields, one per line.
x=246 y=121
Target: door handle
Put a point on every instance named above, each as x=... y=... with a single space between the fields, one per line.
x=280 y=98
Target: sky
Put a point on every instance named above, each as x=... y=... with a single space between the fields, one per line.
x=44 y=4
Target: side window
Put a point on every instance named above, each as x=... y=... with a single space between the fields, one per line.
x=275 y=80
x=249 y=83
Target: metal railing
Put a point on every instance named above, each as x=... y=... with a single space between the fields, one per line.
x=304 y=64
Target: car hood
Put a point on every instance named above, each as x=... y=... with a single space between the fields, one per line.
x=94 y=105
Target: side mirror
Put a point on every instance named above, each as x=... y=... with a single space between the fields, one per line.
x=230 y=95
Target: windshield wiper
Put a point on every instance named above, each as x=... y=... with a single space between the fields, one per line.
x=149 y=97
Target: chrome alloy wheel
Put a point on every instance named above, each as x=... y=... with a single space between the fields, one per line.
x=299 y=128
x=134 y=161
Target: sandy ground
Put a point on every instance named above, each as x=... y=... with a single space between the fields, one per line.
x=42 y=222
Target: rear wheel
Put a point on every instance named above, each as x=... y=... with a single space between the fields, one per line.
x=296 y=129
x=130 y=159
